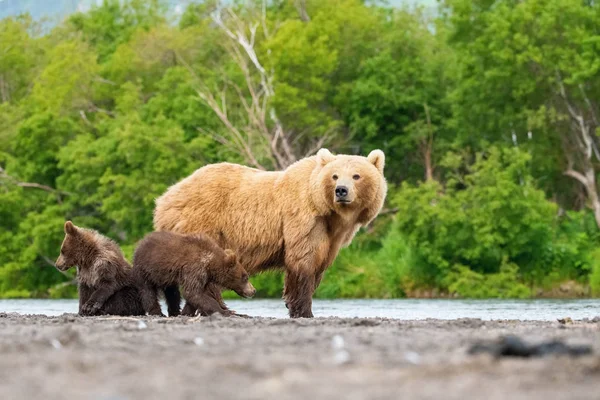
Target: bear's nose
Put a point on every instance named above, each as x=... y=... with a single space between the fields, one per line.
x=341 y=191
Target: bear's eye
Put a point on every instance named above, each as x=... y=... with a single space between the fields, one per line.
x=335 y=177
x=356 y=177
x=245 y=278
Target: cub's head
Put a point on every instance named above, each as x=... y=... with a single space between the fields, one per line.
x=236 y=277
x=75 y=247
x=346 y=183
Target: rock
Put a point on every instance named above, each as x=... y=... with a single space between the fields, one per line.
x=365 y=322
x=566 y=320
x=513 y=346
x=596 y=319
x=69 y=337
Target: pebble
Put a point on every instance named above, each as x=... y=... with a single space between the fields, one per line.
x=56 y=344
x=341 y=357
x=198 y=341
x=337 y=342
x=412 y=357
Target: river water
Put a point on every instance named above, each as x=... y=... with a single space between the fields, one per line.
x=541 y=310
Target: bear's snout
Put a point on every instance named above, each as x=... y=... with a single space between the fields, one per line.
x=248 y=291
x=60 y=263
x=341 y=194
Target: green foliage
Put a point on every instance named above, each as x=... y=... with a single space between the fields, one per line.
x=503 y=284
x=480 y=217
x=486 y=227
x=474 y=110
x=595 y=274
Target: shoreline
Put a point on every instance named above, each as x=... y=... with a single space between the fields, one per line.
x=402 y=309
x=72 y=357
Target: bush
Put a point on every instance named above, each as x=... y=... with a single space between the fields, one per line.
x=487 y=229
x=505 y=284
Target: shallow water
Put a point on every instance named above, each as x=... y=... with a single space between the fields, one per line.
x=541 y=310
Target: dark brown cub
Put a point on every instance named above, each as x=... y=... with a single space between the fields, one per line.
x=165 y=261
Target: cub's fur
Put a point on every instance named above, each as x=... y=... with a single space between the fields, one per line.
x=104 y=276
x=195 y=263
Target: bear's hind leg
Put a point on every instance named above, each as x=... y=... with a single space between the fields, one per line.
x=188 y=310
x=173 y=300
x=150 y=302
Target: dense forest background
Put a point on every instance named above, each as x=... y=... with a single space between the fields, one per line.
x=487 y=112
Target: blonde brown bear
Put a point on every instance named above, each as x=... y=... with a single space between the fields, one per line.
x=296 y=219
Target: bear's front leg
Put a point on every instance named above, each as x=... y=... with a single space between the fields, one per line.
x=215 y=291
x=305 y=256
x=297 y=292
x=205 y=304
x=94 y=304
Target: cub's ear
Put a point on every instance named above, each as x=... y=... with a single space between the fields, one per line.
x=324 y=156
x=377 y=158
x=70 y=229
x=230 y=257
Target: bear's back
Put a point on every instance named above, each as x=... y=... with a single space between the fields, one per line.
x=170 y=251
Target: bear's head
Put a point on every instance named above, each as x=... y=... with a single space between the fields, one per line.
x=235 y=276
x=73 y=247
x=82 y=247
x=346 y=183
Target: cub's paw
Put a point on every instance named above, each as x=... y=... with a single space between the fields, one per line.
x=226 y=313
x=89 y=309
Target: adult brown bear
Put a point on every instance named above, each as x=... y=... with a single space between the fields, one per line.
x=296 y=219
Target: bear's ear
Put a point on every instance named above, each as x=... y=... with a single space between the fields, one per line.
x=324 y=156
x=377 y=158
x=70 y=229
x=230 y=257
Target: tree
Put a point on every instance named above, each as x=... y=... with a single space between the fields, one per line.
x=398 y=101
x=530 y=72
x=18 y=57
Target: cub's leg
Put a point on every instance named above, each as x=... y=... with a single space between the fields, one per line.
x=203 y=302
x=188 y=310
x=85 y=292
x=215 y=291
x=173 y=299
x=149 y=297
x=94 y=304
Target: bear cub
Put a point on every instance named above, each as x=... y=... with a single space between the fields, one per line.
x=104 y=277
x=165 y=261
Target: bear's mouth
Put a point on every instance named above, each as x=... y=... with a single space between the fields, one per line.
x=343 y=201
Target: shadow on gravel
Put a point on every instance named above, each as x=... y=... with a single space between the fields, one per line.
x=513 y=346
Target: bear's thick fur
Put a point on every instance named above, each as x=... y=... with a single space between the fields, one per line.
x=166 y=261
x=297 y=219
x=104 y=277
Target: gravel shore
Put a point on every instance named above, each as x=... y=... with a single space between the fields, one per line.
x=70 y=357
